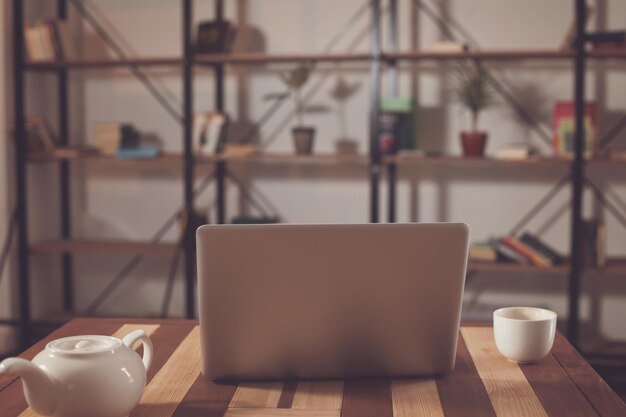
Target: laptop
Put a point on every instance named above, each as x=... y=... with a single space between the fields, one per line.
x=330 y=301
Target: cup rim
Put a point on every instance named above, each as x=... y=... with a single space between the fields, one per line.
x=550 y=315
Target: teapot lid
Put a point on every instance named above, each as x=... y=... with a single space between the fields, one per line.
x=80 y=345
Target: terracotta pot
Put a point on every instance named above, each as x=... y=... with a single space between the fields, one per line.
x=303 y=138
x=474 y=144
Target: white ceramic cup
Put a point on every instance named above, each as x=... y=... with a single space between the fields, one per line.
x=524 y=334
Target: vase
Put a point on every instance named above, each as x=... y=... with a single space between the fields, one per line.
x=473 y=144
x=303 y=138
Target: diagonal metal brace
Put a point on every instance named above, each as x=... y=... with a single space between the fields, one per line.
x=597 y=193
x=540 y=205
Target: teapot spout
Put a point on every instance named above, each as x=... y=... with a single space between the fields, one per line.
x=39 y=388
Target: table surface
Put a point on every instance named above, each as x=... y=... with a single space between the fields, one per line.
x=483 y=383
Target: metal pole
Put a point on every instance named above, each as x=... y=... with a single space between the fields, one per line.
x=393 y=40
x=375 y=154
x=64 y=176
x=392 y=169
x=221 y=171
x=20 y=173
x=188 y=166
x=577 y=178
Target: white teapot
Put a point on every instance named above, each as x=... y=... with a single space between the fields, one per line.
x=78 y=376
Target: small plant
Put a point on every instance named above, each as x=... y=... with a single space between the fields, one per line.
x=294 y=80
x=474 y=92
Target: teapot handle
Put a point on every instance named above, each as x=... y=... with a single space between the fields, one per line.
x=131 y=338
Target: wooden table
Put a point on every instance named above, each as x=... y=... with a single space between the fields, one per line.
x=483 y=383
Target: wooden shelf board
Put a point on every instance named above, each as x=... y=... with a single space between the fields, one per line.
x=613 y=266
x=616 y=54
x=511 y=267
x=459 y=160
x=104 y=63
x=104 y=247
x=90 y=156
x=503 y=55
x=262 y=58
x=176 y=157
x=287 y=158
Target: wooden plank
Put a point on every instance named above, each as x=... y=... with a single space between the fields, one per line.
x=104 y=247
x=508 y=388
x=415 y=398
x=287 y=395
x=365 y=398
x=318 y=395
x=257 y=395
x=601 y=397
x=556 y=391
x=206 y=399
x=149 y=329
x=165 y=341
x=170 y=385
x=462 y=393
x=280 y=412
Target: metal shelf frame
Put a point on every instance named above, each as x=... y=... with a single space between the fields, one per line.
x=380 y=62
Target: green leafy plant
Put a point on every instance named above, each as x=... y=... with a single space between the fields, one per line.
x=294 y=80
x=474 y=92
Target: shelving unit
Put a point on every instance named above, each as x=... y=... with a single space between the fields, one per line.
x=373 y=162
x=579 y=57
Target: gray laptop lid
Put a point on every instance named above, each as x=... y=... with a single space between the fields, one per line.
x=330 y=301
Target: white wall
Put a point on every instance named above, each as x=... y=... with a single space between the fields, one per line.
x=491 y=200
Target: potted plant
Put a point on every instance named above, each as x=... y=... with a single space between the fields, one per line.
x=294 y=80
x=474 y=92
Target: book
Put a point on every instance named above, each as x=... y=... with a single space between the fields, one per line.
x=68 y=152
x=564 y=127
x=39 y=135
x=515 y=152
x=534 y=257
x=449 y=47
x=148 y=152
x=396 y=127
x=541 y=247
x=593 y=242
x=506 y=254
x=33 y=47
x=215 y=37
x=209 y=132
x=611 y=37
x=48 y=40
x=482 y=252
x=601 y=245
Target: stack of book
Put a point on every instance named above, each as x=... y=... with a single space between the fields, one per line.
x=525 y=250
x=47 y=41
